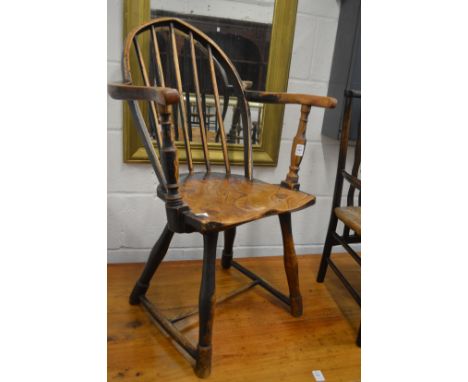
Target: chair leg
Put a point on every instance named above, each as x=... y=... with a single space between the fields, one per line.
x=327 y=250
x=226 y=258
x=290 y=265
x=207 y=300
x=155 y=258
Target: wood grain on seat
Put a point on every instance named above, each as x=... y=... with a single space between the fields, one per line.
x=350 y=216
x=221 y=200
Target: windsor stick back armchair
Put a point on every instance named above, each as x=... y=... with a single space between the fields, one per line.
x=349 y=215
x=208 y=202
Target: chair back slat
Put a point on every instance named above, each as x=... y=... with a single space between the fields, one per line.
x=157 y=54
x=183 y=113
x=200 y=108
x=219 y=116
x=152 y=104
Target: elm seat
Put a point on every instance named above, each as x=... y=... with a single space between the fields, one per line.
x=218 y=199
x=350 y=216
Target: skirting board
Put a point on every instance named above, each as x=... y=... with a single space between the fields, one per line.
x=140 y=255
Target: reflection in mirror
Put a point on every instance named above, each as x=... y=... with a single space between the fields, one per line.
x=242 y=28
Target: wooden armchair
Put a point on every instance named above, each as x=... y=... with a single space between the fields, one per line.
x=349 y=215
x=208 y=202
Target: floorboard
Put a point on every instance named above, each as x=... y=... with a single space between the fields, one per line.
x=254 y=336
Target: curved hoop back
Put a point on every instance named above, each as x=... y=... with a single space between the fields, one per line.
x=164 y=36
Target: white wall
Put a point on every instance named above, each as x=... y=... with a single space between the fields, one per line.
x=136 y=216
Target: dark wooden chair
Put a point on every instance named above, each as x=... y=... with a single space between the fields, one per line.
x=349 y=215
x=208 y=202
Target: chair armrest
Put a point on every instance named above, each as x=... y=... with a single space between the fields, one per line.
x=127 y=91
x=284 y=98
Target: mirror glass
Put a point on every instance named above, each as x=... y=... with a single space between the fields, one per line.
x=242 y=28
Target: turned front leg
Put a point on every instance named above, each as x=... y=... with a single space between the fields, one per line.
x=207 y=300
x=297 y=151
x=290 y=265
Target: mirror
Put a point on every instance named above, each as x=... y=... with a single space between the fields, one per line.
x=243 y=31
x=257 y=36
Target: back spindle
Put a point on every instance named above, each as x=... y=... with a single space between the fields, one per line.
x=218 y=110
x=175 y=59
x=201 y=115
x=157 y=55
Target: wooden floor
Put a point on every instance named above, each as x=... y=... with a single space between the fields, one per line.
x=254 y=336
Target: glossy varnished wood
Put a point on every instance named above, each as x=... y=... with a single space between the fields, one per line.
x=254 y=338
x=217 y=201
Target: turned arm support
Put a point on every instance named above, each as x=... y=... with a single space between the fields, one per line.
x=306 y=101
x=127 y=91
x=298 y=147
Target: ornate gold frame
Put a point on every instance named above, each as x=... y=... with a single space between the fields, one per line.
x=137 y=12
